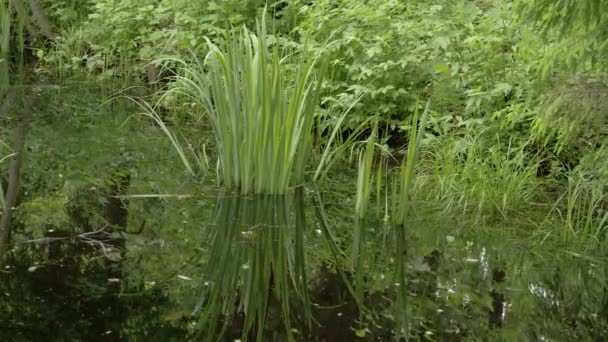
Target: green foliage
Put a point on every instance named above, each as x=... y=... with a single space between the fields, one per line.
x=122 y=37
x=43 y=214
x=367 y=59
x=577 y=30
x=68 y=12
x=573 y=112
x=566 y=16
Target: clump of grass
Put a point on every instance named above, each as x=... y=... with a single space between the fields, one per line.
x=472 y=174
x=261 y=104
x=583 y=218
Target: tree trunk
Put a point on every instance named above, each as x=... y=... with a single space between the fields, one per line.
x=13 y=182
x=40 y=19
x=8 y=102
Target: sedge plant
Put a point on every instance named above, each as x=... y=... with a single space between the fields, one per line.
x=261 y=104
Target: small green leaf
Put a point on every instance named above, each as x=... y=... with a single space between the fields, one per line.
x=361 y=332
x=441 y=67
x=503 y=88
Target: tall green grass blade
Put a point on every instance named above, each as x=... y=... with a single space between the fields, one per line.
x=5 y=27
x=402 y=207
x=330 y=154
x=299 y=271
x=336 y=252
x=151 y=113
x=364 y=178
x=408 y=166
x=5 y=38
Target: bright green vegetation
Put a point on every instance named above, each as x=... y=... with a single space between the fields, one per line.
x=261 y=123
x=179 y=170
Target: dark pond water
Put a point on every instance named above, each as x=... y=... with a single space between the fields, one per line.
x=280 y=268
x=190 y=264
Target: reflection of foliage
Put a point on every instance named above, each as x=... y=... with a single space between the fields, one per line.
x=72 y=302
